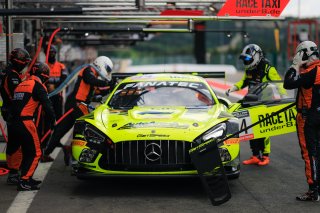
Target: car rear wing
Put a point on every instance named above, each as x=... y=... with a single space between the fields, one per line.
x=122 y=75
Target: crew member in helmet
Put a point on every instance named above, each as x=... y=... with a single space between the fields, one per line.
x=257 y=69
x=304 y=74
x=10 y=78
x=25 y=102
x=90 y=78
x=58 y=73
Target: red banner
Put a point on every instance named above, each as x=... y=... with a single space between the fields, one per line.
x=253 y=8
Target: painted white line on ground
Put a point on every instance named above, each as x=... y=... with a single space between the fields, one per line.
x=23 y=200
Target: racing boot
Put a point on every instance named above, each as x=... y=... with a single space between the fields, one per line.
x=252 y=160
x=67 y=153
x=13 y=178
x=46 y=158
x=35 y=182
x=27 y=185
x=265 y=161
x=309 y=196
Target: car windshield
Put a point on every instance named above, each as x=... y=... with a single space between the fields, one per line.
x=166 y=93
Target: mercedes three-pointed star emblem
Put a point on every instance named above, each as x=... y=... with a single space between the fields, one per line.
x=153 y=152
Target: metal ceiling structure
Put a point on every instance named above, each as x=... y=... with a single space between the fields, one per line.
x=112 y=21
x=124 y=7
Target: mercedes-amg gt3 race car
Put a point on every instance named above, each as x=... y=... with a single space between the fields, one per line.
x=147 y=126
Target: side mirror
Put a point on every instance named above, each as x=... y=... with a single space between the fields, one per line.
x=251 y=97
x=224 y=101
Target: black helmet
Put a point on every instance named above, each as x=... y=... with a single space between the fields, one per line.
x=53 y=49
x=52 y=54
x=40 y=70
x=19 y=59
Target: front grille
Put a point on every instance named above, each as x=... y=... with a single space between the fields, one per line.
x=130 y=156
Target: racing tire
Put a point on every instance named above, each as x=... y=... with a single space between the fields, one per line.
x=233 y=176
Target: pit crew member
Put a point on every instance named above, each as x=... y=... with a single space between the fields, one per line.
x=89 y=79
x=304 y=74
x=25 y=102
x=257 y=70
x=10 y=78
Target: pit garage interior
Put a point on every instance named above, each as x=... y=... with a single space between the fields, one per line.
x=108 y=25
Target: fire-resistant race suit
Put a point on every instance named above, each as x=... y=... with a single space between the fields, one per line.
x=27 y=98
x=308 y=117
x=262 y=73
x=9 y=82
x=10 y=78
x=58 y=74
x=76 y=106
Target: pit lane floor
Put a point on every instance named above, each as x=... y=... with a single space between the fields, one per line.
x=259 y=189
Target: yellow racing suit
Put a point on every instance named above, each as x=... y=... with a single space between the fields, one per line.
x=264 y=72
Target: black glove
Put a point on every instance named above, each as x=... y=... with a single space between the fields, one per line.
x=97 y=98
x=52 y=122
x=291 y=73
x=232 y=89
x=5 y=114
x=112 y=83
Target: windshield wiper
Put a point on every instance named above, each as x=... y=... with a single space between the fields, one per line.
x=198 y=107
x=122 y=107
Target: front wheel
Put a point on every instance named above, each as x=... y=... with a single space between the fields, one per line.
x=234 y=176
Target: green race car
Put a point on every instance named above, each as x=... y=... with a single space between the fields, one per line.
x=147 y=126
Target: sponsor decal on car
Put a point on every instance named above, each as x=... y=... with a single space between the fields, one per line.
x=283 y=123
x=232 y=141
x=152 y=136
x=164 y=84
x=78 y=143
x=154 y=124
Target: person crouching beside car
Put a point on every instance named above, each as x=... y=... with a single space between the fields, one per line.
x=89 y=79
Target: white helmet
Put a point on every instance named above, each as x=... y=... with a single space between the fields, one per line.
x=105 y=66
x=251 y=56
x=310 y=51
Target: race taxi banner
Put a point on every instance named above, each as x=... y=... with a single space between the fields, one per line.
x=282 y=123
x=253 y=8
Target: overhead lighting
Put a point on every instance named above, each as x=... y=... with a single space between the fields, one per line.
x=245 y=35
x=171 y=4
x=228 y=34
x=212 y=8
x=86 y=34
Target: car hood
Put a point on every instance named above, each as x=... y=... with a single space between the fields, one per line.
x=157 y=123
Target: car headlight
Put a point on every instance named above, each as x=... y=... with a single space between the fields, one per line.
x=88 y=155
x=218 y=131
x=93 y=136
x=224 y=154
